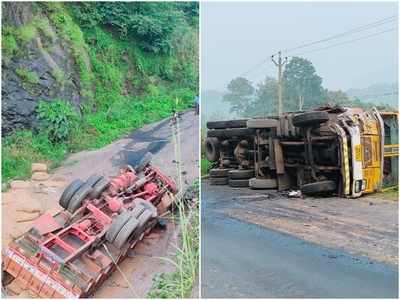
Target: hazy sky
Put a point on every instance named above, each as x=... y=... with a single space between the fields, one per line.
x=237 y=35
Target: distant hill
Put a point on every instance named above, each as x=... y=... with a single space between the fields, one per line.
x=379 y=94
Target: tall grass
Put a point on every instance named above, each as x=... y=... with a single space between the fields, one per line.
x=180 y=283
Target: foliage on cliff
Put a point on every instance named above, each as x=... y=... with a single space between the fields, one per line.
x=109 y=67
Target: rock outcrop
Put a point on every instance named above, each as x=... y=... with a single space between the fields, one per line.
x=36 y=65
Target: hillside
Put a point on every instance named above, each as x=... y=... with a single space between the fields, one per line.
x=383 y=94
x=79 y=75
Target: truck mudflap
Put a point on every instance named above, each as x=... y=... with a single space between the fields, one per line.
x=345 y=159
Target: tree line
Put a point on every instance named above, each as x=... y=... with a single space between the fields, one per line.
x=302 y=90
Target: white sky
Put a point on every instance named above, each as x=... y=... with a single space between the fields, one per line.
x=237 y=35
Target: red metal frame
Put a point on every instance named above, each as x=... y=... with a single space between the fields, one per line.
x=55 y=260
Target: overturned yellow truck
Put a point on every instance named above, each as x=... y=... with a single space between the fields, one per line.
x=330 y=150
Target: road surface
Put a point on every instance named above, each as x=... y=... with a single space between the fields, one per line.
x=243 y=259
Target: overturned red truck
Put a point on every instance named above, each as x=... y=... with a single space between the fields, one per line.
x=70 y=254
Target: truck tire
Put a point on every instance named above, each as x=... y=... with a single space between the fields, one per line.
x=262 y=123
x=98 y=188
x=92 y=180
x=69 y=191
x=215 y=173
x=219 y=181
x=318 y=187
x=144 y=218
x=78 y=197
x=226 y=124
x=146 y=159
x=147 y=205
x=257 y=183
x=126 y=231
x=241 y=174
x=239 y=183
x=231 y=132
x=211 y=146
x=310 y=118
x=117 y=225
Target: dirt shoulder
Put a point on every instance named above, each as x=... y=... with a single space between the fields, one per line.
x=21 y=206
x=365 y=226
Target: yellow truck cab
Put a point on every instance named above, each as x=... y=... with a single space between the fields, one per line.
x=372 y=150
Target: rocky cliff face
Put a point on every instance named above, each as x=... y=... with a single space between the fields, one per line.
x=36 y=65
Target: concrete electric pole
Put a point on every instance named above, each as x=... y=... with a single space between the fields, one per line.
x=280 y=63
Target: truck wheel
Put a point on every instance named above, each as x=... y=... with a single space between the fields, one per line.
x=146 y=205
x=226 y=124
x=215 y=173
x=256 y=183
x=231 y=132
x=78 y=197
x=92 y=180
x=116 y=226
x=310 y=118
x=241 y=174
x=212 y=148
x=219 y=181
x=262 y=123
x=69 y=191
x=98 y=188
x=319 y=187
x=146 y=159
x=239 y=183
x=144 y=218
x=126 y=231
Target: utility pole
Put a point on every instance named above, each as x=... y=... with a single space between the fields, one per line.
x=279 y=64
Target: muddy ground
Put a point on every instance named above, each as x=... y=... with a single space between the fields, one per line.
x=21 y=206
x=263 y=244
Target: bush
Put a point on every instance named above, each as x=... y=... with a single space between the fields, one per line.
x=27 y=76
x=59 y=117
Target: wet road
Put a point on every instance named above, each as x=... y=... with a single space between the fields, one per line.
x=240 y=259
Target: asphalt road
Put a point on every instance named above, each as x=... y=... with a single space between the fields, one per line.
x=241 y=259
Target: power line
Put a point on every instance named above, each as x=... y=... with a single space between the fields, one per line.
x=351 y=31
x=346 y=42
x=254 y=67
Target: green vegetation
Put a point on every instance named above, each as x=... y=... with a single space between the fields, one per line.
x=59 y=76
x=27 y=76
x=9 y=44
x=132 y=71
x=302 y=90
x=179 y=284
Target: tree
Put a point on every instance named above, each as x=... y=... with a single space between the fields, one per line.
x=337 y=98
x=302 y=87
x=240 y=94
x=265 y=102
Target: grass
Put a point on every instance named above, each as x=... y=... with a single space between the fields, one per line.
x=93 y=131
x=180 y=283
x=27 y=76
x=123 y=87
x=205 y=166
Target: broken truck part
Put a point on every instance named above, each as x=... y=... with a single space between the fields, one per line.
x=70 y=254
